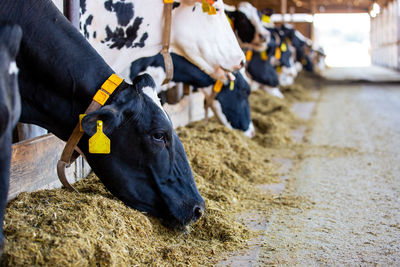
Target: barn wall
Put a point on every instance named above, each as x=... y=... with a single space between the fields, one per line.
x=385 y=35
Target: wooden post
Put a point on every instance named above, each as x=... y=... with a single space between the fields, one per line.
x=313 y=10
x=71 y=11
x=283 y=9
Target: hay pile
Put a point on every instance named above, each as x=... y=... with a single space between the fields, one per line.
x=92 y=228
x=272 y=118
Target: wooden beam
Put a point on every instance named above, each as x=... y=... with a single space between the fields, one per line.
x=33 y=165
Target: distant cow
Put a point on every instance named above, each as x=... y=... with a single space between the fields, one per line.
x=123 y=31
x=234 y=103
x=10 y=108
x=247 y=26
x=59 y=75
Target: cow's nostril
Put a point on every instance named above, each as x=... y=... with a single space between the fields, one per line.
x=241 y=63
x=262 y=37
x=198 y=212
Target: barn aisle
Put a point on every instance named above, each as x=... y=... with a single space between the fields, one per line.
x=347 y=182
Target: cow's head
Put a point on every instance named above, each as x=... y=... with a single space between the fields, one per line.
x=147 y=168
x=10 y=108
x=233 y=105
x=205 y=40
x=248 y=27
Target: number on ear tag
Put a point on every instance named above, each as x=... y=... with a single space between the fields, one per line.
x=249 y=55
x=232 y=85
x=99 y=143
x=277 y=53
x=264 y=55
x=218 y=86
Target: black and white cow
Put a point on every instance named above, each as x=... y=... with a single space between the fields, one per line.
x=247 y=26
x=10 y=108
x=232 y=105
x=263 y=74
x=59 y=75
x=123 y=31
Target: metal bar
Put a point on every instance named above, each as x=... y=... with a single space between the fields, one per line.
x=71 y=11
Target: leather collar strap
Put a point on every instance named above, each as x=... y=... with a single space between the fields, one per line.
x=70 y=153
x=209 y=100
x=169 y=66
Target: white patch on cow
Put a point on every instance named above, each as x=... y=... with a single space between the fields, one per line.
x=252 y=14
x=250 y=132
x=158 y=75
x=229 y=8
x=205 y=40
x=274 y=91
x=150 y=92
x=298 y=66
x=13 y=69
x=221 y=115
x=245 y=77
x=300 y=36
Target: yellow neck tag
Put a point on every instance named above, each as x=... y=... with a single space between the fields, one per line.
x=264 y=55
x=232 y=85
x=265 y=19
x=218 y=86
x=107 y=88
x=304 y=61
x=249 y=55
x=283 y=47
x=277 y=53
x=99 y=143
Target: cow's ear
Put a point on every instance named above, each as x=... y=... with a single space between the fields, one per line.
x=110 y=117
x=11 y=36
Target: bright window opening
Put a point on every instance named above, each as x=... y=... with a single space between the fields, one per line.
x=345 y=38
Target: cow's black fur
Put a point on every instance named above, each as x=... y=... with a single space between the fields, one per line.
x=10 y=37
x=243 y=27
x=234 y=103
x=59 y=74
x=262 y=71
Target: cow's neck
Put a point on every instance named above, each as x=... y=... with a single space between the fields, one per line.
x=59 y=71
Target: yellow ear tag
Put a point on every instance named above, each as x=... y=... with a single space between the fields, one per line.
x=168 y=1
x=283 y=47
x=264 y=55
x=99 y=143
x=232 y=85
x=265 y=19
x=249 y=55
x=80 y=121
x=212 y=11
x=218 y=86
x=277 y=53
x=278 y=69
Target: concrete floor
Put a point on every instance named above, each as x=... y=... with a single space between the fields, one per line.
x=346 y=180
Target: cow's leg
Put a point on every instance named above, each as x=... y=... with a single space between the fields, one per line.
x=5 y=155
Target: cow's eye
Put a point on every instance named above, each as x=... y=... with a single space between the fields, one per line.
x=159 y=137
